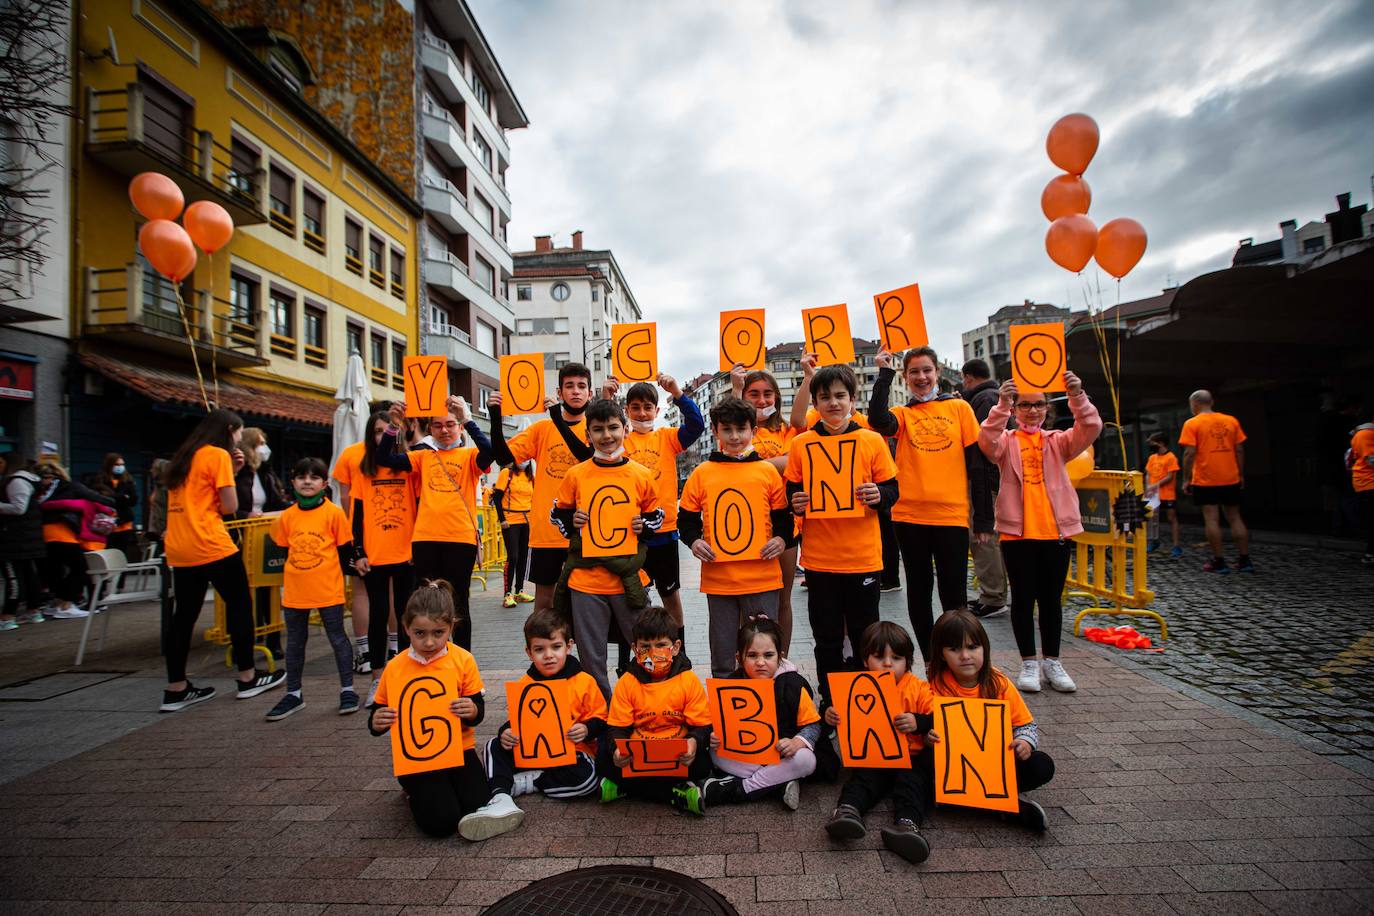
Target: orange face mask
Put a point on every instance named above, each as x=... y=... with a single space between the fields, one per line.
x=657 y=662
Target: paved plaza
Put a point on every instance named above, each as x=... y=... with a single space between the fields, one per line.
x=1230 y=773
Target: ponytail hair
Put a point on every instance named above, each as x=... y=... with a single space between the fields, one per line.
x=432 y=600
x=760 y=625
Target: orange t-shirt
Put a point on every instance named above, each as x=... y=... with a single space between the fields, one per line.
x=388 y=506
x=580 y=485
x=312 y=538
x=348 y=471
x=1215 y=437
x=658 y=451
x=402 y=669
x=1037 y=519
x=947 y=686
x=931 y=472
x=1362 y=475
x=846 y=545
x=1157 y=467
x=660 y=709
x=195 y=532
x=727 y=484
x=916 y=697
x=519 y=493
x=813 y=416
x=586 y=703
x=773 y=443
x=447 y=513
x=59 y=533
x=542 y=442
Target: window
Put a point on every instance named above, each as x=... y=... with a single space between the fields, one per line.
x=556 y=360
x=438 y=318
x=243 y=309
x=375 y=256
x=1315 y=244
x=524 y=327
x=1001 y=344
x=484 y=274
x=486 y=338
x=312 y=219
x=483 y=395
x=283 y=323
x=166 y=118
x=978 y=347
x=596 y=293
x=781 y=365
x=282 y=196
x=482 y=210
x=315 y=353
x=479 y=89
x=524 y=293
x=355 y=338
x=483 y=151
x=398 y=360
x=527 y=326
x=353 y=246
x=285 y=73
x=379 y=375
x=243 y=169
x=398 y=273
x=560 y=292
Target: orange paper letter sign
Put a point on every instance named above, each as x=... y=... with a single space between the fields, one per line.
x=745 y=716
x=1037 y=356
x=901 y=322
x=827 y=334
x=608 y=533
x=653 y=758
x=426 y=735
x=868 y=702
x=634 y=352
x=736 y=528
x=539 y=719
x=741 y=339
x=974 y=765
x=830 y=472
x=426 y=381
x=522 y=384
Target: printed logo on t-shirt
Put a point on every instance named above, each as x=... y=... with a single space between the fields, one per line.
x=929 y=432
x=1032 y=462
x=389 y=502
x=557 y=461
x=438 y=481
x=308 y=550
x=649 y=456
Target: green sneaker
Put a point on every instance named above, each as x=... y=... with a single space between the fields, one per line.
x=687 y=797
x=609 y=791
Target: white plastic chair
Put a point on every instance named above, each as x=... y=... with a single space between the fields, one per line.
x=111 y=584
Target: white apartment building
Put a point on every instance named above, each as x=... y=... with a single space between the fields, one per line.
x=989 y=342
x=566 y=300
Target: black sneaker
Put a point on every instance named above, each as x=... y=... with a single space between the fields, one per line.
x=348 y=702
x=720 y=789
x=362 y=664
x=892 y=587
x=285 y=707
x=262 y=681
x=175 y=701
x=981 y=610
x=846 y=824
x=906 y=841
x=1032 y=815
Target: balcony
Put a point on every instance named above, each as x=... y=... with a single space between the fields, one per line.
x=444 y=271
x=436 y=56
x=448 y=205
x=203 y=169
x=452 y=144
x=136 y=307
x=455 y=345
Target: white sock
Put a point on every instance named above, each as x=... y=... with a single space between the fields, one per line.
x=391 y=643
x=294 y=693
x=343 y=690
x=361 y=644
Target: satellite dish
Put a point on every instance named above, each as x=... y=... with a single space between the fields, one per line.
x=113 y=49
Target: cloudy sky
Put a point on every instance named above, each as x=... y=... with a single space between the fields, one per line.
x=758 y=153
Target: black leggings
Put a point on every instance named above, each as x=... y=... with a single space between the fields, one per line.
x=380 y=600
x=451 y=561
x=66 y=571
x=1036 y=571
x=947 y=546
x=517 y=538
x=440 y=798
x=836 y=604
x=21 y=584
x=230 y=580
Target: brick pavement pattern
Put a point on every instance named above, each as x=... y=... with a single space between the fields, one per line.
x=1162 y=803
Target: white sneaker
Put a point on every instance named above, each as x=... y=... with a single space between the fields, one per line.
x=372 y=693
x=70 y=612
x=1029 y=679
x=498 y=816
x=1059 y=678
x=791 y=795
x=524 y=783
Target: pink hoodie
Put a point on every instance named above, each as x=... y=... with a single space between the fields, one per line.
x=999 y=445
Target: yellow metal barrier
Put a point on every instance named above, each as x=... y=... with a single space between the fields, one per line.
x=491 y=546
x=264 y=562
x=1102 y=547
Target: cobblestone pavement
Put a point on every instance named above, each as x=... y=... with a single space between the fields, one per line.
x=1293 y=642
x=1162 y=803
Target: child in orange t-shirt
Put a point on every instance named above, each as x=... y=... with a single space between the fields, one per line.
x=319 y=548
x=1161 y=476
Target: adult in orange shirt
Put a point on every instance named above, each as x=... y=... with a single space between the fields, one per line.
x=1214 y=475
x=1361 y=461
x=200 y=491
x=1161 y=477
x=937 y=439
x=513 y=497
x=444 y=544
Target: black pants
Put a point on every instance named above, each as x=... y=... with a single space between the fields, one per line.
x=262 y=613
x=230 y=580
x=517 y=538
x=571 y=781
x=380 y=599
x=836 y=604
x=947 y=547
x=126 y=542
x=451 y=561
x=653 y=788
x=65 y=571
x=1366 y=499
x=1036 y=571
x=892 y=552
x=1034 y=772
x=911 y=790
x=439 y=799
x=21 y=584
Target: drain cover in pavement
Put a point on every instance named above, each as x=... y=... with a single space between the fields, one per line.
x=614 y=890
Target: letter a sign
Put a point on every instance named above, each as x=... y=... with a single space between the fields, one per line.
x=974 y=766
x=745 y=716
x=867 y=703
x=539 y=720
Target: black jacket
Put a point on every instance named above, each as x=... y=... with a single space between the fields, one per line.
x=276 y=499
x=21 y=535
x=983 y=477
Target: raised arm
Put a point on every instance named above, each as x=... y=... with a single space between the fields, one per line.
x=387 y=455
x=880 y=416
x=801 y=401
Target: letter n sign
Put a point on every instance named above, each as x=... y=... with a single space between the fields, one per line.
x=831 y=466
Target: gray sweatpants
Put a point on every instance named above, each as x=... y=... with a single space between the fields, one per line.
x=592 y=616
x=727 y=613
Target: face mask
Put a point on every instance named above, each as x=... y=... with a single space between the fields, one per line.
x=309 y=502
x=575 y=411
x=658 y=662
x=934 y=393
x=1030 y=430
x=118 y=470
x=642 y=426
x=611 y=456
x=264 y=452
x=764 y=413
x=456 y=443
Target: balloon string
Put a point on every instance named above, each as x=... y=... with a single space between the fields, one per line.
x=195 y=361
x=210 y=307
x=1110 y=375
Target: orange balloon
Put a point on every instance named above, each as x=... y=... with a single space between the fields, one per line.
x=209 y=225
x=1072 y=143
x=156 y=196
x=1081 y=465
x=1071 y=241
x=168 y=248
x=1063 y=196
x=1120 y=245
